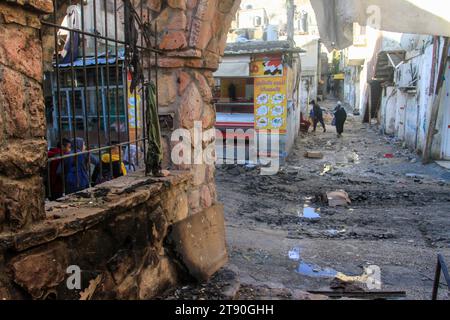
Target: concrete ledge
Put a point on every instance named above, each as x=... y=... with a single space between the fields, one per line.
x=86 y=209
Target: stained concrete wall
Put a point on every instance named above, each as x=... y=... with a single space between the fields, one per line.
x=310 y=69
x=440 y=141
x=410 y=110
x=352 y=87
x=389 y=110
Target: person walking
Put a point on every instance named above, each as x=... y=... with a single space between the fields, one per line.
x=340 y=116
x=317 y=116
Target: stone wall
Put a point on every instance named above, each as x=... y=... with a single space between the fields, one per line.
x=129 y=238
x=192 y=35
x=22 y=118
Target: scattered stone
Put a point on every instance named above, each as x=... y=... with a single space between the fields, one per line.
x=353 y=157
x=347 y=286
x=338 y=198
x=326 y=169
x=415 y=176
x=165 y=173
x=89 y=292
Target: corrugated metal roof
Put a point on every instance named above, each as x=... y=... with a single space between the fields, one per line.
x=252 y=47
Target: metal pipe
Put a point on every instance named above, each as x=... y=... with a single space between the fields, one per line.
x=96 y=36
x=441 y=267
x=58 y=92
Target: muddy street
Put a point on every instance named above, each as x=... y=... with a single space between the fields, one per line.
x=281 y=234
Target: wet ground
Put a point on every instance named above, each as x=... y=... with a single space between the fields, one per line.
x=282 y=235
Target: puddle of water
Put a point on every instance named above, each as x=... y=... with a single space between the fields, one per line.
x=308 y=269
x=309 y=213
x=311 y=270
x=314 y=271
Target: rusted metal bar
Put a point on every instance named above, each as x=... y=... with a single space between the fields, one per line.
x=85 y=106
x=51 y=24
x=362 y=294
x=94 y=150
x=99 y=143
x=108 y=102
x=117 y=77
x=97 y=82
x=441 y=268
x=58 y=98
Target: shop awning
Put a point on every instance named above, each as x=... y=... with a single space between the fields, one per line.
x=236 y=67
x=336 y=18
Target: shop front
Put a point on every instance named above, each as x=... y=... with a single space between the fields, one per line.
x=257 y=103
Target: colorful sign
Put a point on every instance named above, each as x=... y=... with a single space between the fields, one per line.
x=134 y=106
x=271 y=104
x=266 y=66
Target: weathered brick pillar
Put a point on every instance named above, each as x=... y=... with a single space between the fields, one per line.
x=22 y=113
x=193 y=36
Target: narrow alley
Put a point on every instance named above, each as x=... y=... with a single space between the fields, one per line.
x=392 y=223
x=167 y=150
x=284 y=241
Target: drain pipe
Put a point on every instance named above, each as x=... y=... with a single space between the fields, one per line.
x=290 y=8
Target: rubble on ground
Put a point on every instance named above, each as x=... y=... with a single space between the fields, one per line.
x=266 y=212
x=338 y=198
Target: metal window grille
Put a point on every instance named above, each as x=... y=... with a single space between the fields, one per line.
x=94 y=94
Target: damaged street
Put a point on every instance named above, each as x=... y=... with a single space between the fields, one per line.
x=237 y=150
x=397 y=219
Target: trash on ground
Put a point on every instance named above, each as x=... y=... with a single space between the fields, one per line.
x=347 y=286
x=294 y=254
x=415 y=176
x=327 y=168
x=353 y=157
x=338 y=198
x=314 y=155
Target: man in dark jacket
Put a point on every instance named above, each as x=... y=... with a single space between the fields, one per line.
x=340 y=116
x=317 y=116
